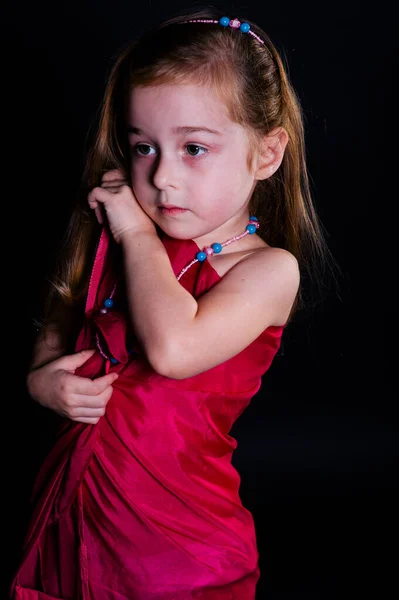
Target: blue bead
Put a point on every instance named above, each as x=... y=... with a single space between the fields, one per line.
x=245 y=27
x=253 y=219
x=201 y=256
x=113 y=360
x=225 y=21
x=217 y=247
x=109 y=303
x=251 y=228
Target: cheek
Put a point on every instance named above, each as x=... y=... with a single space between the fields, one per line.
x=140 y=183
x=139 y=186
x=224 y=192
x=135 y=173
x=225 y=180
x=231 y=172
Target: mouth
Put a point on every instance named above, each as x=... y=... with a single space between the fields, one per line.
x=174 y=210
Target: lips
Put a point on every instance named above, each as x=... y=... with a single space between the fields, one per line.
x=172 y=210
x=170 y=206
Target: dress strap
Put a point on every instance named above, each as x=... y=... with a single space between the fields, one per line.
x=97 y=269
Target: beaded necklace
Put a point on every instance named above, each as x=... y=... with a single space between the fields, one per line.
x=201 y=256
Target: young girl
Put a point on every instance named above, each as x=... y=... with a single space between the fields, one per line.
x=181 y=271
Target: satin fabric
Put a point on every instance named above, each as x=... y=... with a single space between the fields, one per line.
x=145 y=504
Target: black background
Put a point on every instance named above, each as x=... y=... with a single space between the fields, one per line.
x=317 y=449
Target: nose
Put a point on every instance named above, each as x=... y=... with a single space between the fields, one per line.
x=166 y=172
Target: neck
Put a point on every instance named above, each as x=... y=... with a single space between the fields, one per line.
x=223 y=233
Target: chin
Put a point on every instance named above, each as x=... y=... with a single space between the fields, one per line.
x=177 y=231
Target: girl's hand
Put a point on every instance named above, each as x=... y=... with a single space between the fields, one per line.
x=77 y=398
x=115 y=198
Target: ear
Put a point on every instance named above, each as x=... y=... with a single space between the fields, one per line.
x=271 y=154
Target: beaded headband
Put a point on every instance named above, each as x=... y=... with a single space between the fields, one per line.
x=233 y=23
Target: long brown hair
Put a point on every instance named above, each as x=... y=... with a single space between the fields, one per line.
x=251 y=79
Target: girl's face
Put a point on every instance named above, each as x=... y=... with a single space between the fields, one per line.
x=174 y=161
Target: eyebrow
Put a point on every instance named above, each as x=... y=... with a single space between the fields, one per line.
x=177 y=130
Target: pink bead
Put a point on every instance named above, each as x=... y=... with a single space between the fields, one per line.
x=104 y=311
x=235 y=23
x=208 y=250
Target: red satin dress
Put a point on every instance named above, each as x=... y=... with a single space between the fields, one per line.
x=145 y=504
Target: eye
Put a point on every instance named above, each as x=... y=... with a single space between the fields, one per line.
x=136 y=149
x=198 y=147
x=192 y=149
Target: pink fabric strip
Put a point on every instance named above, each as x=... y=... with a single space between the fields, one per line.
x=97 y=268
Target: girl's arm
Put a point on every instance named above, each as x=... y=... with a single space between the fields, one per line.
x=181 y=336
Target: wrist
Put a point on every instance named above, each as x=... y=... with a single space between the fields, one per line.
x=133 y=238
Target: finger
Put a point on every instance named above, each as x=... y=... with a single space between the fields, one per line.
x=86 y=411
x=97 y=210
x=83 y=401
x=98 y=214
x=113 y=174
x=98 y=195
x=114 y=186
x=70 y=362
x=91 y=387
x=94 y=387
x=87 y=420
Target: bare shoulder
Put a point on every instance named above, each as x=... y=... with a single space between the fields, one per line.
x=255 y=250
x=280 y=258
x=270 y=273
x=257 y=290
x=270 y=262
